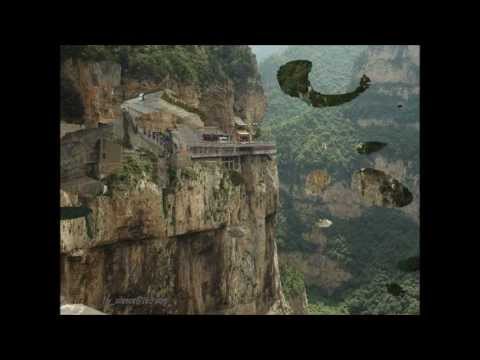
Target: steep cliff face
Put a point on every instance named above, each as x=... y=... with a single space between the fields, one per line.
x=391 y=111
x=95 y=89
x=204 y=246
x=395 y=74
x=204 y=243
x=221 y=81
x=392 y=64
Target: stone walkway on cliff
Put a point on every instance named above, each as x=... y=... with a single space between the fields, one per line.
x=197 y=147
x=153 y=103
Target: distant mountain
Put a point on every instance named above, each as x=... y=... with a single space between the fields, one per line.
x=346 y=266
x=264 y=51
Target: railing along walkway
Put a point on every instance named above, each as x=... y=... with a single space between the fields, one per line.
x=205 y=150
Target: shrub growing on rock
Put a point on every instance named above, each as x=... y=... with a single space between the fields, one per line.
x=236 y=178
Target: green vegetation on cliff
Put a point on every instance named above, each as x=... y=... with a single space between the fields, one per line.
x=135 y=168
x=201 y=65
x=320 y=308
x=89 y=52
x=292 y=281
x=373 y=298
x=165 y=96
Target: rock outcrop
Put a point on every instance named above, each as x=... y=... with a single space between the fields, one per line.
x=99 y=87
x=395 y=74
x=96 y=87
x=393 y=103
x=380 y=189
x=391 y=64
x=78 y=309
x=299 y=303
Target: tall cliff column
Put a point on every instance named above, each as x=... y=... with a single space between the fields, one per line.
x=201 y=243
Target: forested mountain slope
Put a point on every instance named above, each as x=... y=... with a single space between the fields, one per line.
x=347 y=266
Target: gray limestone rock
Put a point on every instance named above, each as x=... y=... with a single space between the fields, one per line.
x=79 y=309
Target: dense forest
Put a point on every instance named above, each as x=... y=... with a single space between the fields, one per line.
x=347 y=267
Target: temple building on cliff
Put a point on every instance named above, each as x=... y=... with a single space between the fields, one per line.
x=242 y=133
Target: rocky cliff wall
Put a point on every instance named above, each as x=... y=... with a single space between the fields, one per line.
x=203 y=246
x=393 y=105
x=204 y=241
x=97 y=88
x=392 y=64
